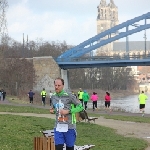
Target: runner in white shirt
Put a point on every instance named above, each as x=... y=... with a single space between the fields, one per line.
x=50 y=94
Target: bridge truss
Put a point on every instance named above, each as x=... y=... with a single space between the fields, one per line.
x=105 y=38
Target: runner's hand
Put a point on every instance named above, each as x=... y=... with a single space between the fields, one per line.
x=64 y=112
x=51 y=111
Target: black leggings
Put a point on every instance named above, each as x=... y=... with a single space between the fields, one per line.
x=94 y=104
x=85 y=105
x=60 y=147
x=81 y=100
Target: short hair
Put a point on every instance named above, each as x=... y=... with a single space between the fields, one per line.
x=62 y=80
x=142 y=91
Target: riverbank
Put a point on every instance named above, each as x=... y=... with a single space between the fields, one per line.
x=115 y=94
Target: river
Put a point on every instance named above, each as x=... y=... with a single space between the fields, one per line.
x=127 y=104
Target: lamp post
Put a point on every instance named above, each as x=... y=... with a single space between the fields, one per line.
x=145 y=37
x=85 y=73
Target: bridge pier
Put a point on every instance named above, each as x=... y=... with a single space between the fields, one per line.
x=46 y=71
x=64 y=75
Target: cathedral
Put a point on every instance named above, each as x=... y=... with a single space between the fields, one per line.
x=107 y=18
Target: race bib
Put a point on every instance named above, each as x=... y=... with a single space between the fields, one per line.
x=62 y=127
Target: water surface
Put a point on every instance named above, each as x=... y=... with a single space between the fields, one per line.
x=128 y=104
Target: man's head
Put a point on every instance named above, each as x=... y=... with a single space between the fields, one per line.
x=80 y=89
x=142 y=91
x=59 y=85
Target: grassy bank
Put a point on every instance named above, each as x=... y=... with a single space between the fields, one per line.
x=128 y=118
x=30 y=109
x=23 y=109
x=17 y=133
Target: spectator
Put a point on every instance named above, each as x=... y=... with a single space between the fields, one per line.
x=30 y=95
x=94 y=98
x=3 y=95
x=0 y=95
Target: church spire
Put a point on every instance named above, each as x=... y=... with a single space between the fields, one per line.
x=112 y=4
x=103 y=3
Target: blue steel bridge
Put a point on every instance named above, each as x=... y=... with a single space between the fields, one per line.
x=73 y=58
x=105 y=61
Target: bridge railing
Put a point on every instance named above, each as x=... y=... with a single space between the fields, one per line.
x=105 y=58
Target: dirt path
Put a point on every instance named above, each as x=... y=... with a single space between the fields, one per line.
x=125 y=128
x=128 y=129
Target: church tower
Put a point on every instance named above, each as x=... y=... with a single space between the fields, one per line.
x=107 y=18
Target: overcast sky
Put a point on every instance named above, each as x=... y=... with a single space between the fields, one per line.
x=71 y=20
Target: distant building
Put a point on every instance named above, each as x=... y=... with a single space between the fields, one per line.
x=133 y=46
x=107 y=18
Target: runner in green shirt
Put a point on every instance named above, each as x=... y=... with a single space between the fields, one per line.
x=142 y=100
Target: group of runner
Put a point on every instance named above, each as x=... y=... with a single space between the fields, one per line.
x=84 y=97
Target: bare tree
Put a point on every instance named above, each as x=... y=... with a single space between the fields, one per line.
x=3 y=26
x=17 y=75
x=105 y=78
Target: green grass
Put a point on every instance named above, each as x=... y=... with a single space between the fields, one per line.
x=23 y=109
x=16 y=100
x=128 y=118
x=30 y=109
x=27 y=109
x=17 y=133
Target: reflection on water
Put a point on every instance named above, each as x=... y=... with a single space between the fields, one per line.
x=131 y=104
x=128 y=104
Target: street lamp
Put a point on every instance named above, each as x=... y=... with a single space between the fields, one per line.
x=145 y=37
x=85 y=76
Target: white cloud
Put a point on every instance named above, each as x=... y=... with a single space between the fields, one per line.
x=47 y=25
x=73 y=21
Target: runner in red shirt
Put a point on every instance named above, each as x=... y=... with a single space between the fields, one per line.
x=107 y=102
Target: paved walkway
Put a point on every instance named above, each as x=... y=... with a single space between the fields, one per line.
x=89 y=111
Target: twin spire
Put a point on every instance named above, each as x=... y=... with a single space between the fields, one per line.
x=103 y=3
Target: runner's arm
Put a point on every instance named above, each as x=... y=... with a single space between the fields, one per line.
x=77 y=103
